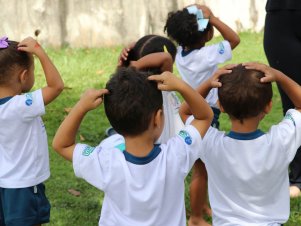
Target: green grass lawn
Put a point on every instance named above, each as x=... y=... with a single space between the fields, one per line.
x=91 y=68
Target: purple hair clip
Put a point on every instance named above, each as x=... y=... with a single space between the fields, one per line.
x=4 y=42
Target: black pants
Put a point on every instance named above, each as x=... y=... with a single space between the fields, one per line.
x=282 y=45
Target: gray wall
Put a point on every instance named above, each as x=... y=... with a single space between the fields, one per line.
x=92 y=23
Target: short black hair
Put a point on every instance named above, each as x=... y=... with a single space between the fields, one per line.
x=242 y=95
x=11 y=59
x=132 y=101
x=182 y=27
x=151 y=44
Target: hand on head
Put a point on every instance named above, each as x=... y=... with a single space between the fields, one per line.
x=270 y=74
x=29 y=45
x=167 y=81
x=92 y=98
x=227 y=69
x=207 y=13
x=124 y=54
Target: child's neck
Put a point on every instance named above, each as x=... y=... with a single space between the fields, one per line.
x=249 y=125
x=140 y=145
x=195 y=46
x=7 y=91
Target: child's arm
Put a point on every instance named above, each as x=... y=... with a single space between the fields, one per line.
x=160 y=60
x=64 y=139
x=200 y=109
x=55 y=84
x=227 y=33
x=205 y=88
x=289 y=86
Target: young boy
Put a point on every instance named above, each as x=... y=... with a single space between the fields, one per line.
x=143 y=182
x=24 y=159
x=249 y=185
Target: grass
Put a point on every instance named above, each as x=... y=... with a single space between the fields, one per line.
x=91 y=68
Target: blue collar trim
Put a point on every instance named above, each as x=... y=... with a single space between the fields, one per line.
x=4 y=100
x=185 y=53
x=143 y=160
x=245 y=136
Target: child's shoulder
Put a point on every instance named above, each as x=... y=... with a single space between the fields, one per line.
x=27 y=105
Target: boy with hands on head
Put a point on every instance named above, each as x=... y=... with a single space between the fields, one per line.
x=151 y=175
x=23 y=140
x=250 y=186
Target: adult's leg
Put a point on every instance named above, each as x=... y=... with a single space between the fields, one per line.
x=282 y=45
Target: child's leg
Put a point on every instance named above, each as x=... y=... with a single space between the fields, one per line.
x=25 y=206
x=198 y=194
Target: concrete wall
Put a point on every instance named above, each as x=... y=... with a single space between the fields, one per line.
x=92 y=23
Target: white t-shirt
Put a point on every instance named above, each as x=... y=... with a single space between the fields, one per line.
x=144 y=191
x=248 y=180
x=196 y=66
x=172 y=121
x=24 y=158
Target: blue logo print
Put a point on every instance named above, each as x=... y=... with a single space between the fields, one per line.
x=221 y=49
x=187 y=138
x=88 y=150
x=121 y=147
x=29 y=98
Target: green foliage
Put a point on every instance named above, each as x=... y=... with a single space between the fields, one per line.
x=91 y=68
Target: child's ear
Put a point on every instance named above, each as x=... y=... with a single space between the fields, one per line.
x=159 y=118
x=268 y=107
x=23 y=75
x=220 y=106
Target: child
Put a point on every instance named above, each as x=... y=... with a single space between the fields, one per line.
x=156 y=54
x=24 y=157
x=192 y=28
x=250 y=185
x=143 y=182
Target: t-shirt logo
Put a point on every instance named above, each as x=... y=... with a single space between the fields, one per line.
x=221 y=48
x=28 y=97
x=88 y=150
x=187 y=138
x=121 y=147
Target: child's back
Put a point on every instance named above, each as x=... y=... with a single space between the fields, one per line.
x=191 y=29
x=247 y=168
x=24 y=158
x=143 y=182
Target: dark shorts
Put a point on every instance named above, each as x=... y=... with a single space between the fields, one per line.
x=215 y=122
x=24 y=206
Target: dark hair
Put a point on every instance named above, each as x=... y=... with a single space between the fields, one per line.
x=182 y=27
x=132 y=101
x=151 y=44
x=11 y=59
x=242 y=95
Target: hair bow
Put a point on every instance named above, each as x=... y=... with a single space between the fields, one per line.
x=202 y=22
x=3 y=42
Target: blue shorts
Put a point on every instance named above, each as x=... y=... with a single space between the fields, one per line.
x=215 y=122
x=24 y=206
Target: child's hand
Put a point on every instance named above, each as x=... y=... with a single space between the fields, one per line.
x=125 y=53
x=29 y=45
x=270 y=74
x=227 y=69
x=207 y=13
x=167 y=81
x=91 y=99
